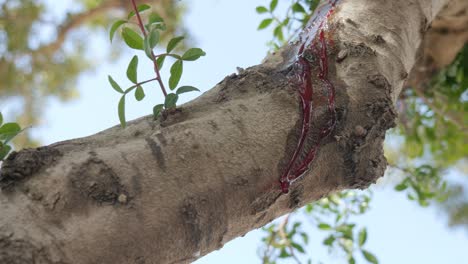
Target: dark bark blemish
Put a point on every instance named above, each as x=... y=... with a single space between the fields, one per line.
x=137 y=133
x=203 y=231
x=351 y=22
x=263 y=202
x=157 y=153
x=191 y=221
x=161 y=138
x=359 y=50
x=378 y=39
x=240 y=125
x=21 y=251
x=214 y=125
x=243 y=107
x=379 y=81
x=25 y=163
x=295 y=197
x=95 y=180
x=136 y=178
x=140 y=260
x=173 y=116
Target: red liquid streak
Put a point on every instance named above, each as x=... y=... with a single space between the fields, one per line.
x=304 y=79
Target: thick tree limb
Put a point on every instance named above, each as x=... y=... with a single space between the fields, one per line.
x=170 y=191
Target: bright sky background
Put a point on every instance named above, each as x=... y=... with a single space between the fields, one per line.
x=399 y=231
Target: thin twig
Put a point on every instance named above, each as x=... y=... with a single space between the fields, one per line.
x=153 y=57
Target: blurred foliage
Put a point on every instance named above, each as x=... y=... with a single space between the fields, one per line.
x=42 y=54
x=331 y=215
x=7 y=132
x=429 y=143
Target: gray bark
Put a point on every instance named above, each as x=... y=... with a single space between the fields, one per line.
x=172 y=190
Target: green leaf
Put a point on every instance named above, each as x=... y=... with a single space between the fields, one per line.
x=278 y=32
x=132 y=39
x=298 y=247
x=140 y=9
x=261 y=9
x=171 y=100
x=160 y=61
x=329 y=240
x=132 y=69
x=193 y=54
x=9 y=131
x=298 y=8
x=369 y=257
x=273 y=5
x=148 y=49
x=265 y=23
x=1 y=119
x=186 y=89
x=401 y=187
x=139 y=93
x=173 y=43
x=324 y=226
x=351 y=260
x=362 y=237
x=114 y=84
x=176 y=73
x=121 y=111
x=114 y=28
x=4 y=150
x=155 y=18
x=284 y=254
x=305 y=237
x=153 y=38
x=157 y=110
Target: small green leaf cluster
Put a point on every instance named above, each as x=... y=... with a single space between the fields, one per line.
x=423 y=184
x=342 y=234
x=284 y=241
x=296 y=17
x=434 y=122
x=147 y=41
x=331 y=215
x=7 y=132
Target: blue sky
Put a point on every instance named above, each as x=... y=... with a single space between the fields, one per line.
x=399 y=231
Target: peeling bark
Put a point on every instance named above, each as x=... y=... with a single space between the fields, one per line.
x=172 y=190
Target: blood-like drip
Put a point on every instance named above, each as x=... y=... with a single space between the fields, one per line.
x=303 y=78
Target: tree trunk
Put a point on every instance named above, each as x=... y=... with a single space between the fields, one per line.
x=172 y=190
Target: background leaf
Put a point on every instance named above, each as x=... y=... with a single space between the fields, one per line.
x=176 y=73
x=369 y=257
x=9 y=131
x=114 y=84
x=4 y=150
x=140 y=9
x=132 y=39
x=114 y=28
x=139 y=93
x=193 y=54
x=261 y=9
x=171 y=100
x=132 y=69
x=173 y=43
x=265 y=23
x=186 y=89
x=121 y=112
x=157 y=110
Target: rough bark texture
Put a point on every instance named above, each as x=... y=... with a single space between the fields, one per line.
x=172 y=190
